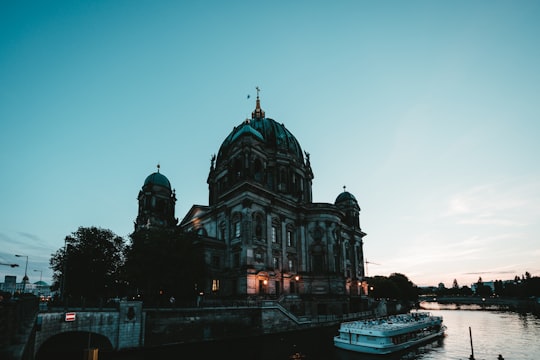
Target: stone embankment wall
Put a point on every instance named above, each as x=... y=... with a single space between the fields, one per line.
x=180 y=326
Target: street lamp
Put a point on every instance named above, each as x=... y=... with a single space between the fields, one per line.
x=12 y=265
x=40 y=283
x=25 y=278
x=40 y=274
x=64 y=271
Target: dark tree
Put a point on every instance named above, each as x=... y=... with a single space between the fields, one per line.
x=481 y=289
x=396 y=286
x=87 y=268
x=407 y=290
x=531 y=285
x=499 y=287
x=465 y=291
x=161 y=263
x=382 y=287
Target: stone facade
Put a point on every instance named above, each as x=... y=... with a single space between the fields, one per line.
x=261 y=235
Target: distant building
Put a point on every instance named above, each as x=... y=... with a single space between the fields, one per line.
x=39 y=288
x=10 y=284
x=261 y=233
x=490 y=284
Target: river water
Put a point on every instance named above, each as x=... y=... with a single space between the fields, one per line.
x=515 y=336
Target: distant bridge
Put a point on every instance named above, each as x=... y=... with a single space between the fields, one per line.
x=500 y=302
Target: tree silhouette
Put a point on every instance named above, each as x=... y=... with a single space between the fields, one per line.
x=87 y=268
x=396 y=286
x=161 y=263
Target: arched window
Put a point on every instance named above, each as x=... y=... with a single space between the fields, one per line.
x=258 y=171
x=282 y=180
x=222 y=231
x=270 y=175
x=237 y=226
x=317 y=258
x=259 y=229
x=291 y=241
x=237 y=169
x=276 y=231
x=291 y=262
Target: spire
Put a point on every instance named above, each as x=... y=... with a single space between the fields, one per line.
x=158 y=167
x=258 y=113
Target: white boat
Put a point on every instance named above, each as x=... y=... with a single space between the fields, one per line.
x=389 y=334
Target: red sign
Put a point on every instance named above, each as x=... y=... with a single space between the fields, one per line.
x=70 y=316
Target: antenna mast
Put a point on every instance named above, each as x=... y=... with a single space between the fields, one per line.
x=369 y=262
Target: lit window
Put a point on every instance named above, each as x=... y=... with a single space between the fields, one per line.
x=237 y=229
x=215 y=285
x=289 y=238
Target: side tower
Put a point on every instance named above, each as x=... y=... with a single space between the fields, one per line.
x=156 y=203
x=352 y=248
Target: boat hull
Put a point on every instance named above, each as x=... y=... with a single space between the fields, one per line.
x=386 y=349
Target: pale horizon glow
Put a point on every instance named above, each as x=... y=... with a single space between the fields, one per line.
x=428 y=113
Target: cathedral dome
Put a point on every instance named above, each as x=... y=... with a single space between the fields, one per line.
x=274 y=136
x=157 y=179
x=260 y=153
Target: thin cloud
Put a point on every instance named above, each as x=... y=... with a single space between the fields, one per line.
x=30 y=236
x=504 y=204
x=489 y=272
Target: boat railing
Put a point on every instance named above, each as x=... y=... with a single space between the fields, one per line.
x=392 y=320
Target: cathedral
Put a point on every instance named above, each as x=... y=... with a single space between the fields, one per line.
x=261 y=234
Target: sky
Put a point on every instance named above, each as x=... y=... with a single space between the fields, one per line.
x=428 y=112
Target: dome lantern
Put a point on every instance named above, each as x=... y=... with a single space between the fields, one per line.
x=258 y=113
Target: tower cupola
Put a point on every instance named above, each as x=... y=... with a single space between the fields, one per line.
x=156 y=203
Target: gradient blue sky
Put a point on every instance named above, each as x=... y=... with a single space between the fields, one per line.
x=427 y=111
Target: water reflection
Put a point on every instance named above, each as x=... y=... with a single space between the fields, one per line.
x=409 y=354
x=297 y=356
